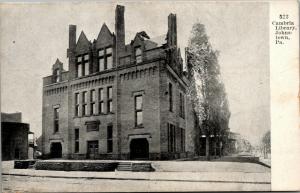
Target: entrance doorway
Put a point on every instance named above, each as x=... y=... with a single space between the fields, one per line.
x=56 y=150
x=92 y=149
x=139 y=149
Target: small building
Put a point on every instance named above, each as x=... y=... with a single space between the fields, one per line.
x=14 y=136
x=118 y=100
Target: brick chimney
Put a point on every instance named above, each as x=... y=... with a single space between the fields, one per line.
x=72 y=37
x=120 y=28
x=71 y=51
x=172 y=30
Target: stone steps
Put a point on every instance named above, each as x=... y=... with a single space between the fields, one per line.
x=135 y=167
x=124 y=166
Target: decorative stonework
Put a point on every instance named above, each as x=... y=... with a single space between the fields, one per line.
x=138 y=73
x=93 y=83
x=54 y=91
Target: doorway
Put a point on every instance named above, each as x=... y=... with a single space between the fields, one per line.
x=139 y=149
x=92 y=149
x=56 y=150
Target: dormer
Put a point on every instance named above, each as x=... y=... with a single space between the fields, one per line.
x=104 y=49
x=105 y=37
x=57 y=70
x=138 y=46
x=83 y=45
x=83 y=56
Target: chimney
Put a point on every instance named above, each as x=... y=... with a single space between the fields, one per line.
x=172 y=30
x=71 y=51
x=72 y=37
x=120 y=28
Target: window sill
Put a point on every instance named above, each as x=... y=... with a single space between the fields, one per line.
x=92 y=131
x=139 y=127
x=99 y=114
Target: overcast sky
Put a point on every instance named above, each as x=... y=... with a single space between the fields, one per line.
x=34 y=35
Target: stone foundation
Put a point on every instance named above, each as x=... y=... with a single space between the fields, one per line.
x=76 y=166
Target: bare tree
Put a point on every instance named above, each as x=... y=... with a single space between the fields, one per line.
x=207 y=90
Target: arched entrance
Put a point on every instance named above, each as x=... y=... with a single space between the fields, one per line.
x=139 y=149
x=56 y=150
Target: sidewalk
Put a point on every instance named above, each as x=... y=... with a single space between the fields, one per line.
x=229 y=177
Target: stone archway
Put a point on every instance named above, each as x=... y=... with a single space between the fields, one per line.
x=56 y=150
x=139 y=149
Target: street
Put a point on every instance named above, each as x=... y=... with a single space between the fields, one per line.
x=190 y=176
x=46 y=184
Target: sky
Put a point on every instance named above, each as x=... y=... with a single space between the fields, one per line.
x=32 y=36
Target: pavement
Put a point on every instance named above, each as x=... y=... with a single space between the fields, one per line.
x=229 y=175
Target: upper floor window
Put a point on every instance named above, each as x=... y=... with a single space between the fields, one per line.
x=181 y=105
x=101 y=101
x=92 y=101
x=56 y=119
x=170 y=97
x=138 y=102
x=105 y=59
x=56 y=75
x=138 y=54
x=84 y=103
x=82 y=65
x=109 y=100
x=76 y=104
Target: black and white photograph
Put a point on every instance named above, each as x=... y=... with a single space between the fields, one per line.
x=138 y=96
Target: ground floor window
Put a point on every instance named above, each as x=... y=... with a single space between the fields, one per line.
x=109 y=139
x=171 y=138
x=182 y=139
x=76 y=140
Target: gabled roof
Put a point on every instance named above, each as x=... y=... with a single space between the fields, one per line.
x=137 y=38
x=82 y=42
x=104 y=32
x=105 y=37
x=57 y=61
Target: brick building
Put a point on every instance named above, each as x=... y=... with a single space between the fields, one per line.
x=119 y=101
x=14 y=137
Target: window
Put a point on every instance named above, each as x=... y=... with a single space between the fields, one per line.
x=92 y=101
x=92 y=126
x=109 y=59
x=56 y=75
x=56 y=119
x=76 y=104
x=79 y=67
x=138 y=54
x=171 y=138
x=181 y=106
x=109 y=139
x=138 y=102
x=170 y=97
x=84 y=103
x=109 y=100
x=76 y=141
x=105 y=59
x=101 y=102
x=182 y=139
x=82 y=65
